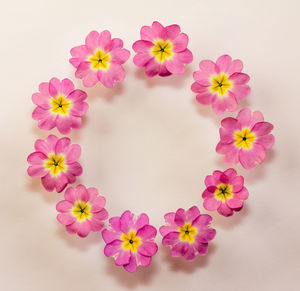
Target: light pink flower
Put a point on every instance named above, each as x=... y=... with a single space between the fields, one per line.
x=60 y=105
x=245 y=138
x=55 y=162
x=224 y=192
x=187 y=233
x=100 y=59
x=221 y=84
x=82 y=210
x=162 y=50
x=130 y=241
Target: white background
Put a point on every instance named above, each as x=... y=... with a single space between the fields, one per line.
x=147 y=146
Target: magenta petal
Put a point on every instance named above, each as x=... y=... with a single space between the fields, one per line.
x=82 y=193
x=67 y=86
x=41 y=100
x=170 y=239
x=64 y=206
x=54 y=87
x=126 y=221
x=202 y=220
x=204 y=98
x=170 y=217
x=239 y=78
x=185 y=56
x=113 y=248
x=180 y=217
x=180 y=42
x=143 y=260
x=115 y=223
x=84 y=228
x=98 y=204
x=147 y=33
x=37 y=171
x=230 y=151
x=77 y=95
x=73 y=153
x=172 y=31
x=202 y=248
x=148 y=248
x=266 y=141
x=158 y=30
x=244 y=117
x=242 y=194
x=190 y=254
x=66 y=218
x=71 y=195
x=206 y=235
x=132 y=265
x=91 y=41
x=147 y=232
x=142 y=59
x=175 y=66
x=234 y=203
x=101 y=215
x=110 y=235
x=237 y=183
x=63 y=124
x=225 y=210
x=209 y=67
x=83 y=70
x=115 y=73
x=179 y=249
x=229 y=123
x=142 y=46
x=104 y=40
x=120 y=55
x=62 y=145
x=36 y=158
x=249 y=158
x=152 y=68
x=224 y=62
x=96 y=224
x=116 y=43
x=165 y=229
x=46 y=146
x=123 y=258
x=241 y=91
x=141 y=221
x=192 y=213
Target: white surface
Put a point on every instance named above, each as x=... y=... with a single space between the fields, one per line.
x=148 y=146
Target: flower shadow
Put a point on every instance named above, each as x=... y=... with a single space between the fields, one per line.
x=174 y=81
x=227 y=223
x=142 y=276
x=76 y=242
x=182 y=265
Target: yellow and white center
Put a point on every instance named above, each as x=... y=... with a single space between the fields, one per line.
x=100 y=60
x=187 y=232
x=223 y=192
x=56 y=164
x=131 y=241
x=81 y=210
x=244 y=138
x=60 y=105
x=220 y=84
x=162 y=50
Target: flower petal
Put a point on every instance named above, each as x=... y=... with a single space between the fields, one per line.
x=147 y=232
x=148 y=248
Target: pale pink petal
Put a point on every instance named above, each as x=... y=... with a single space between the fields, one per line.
x=67 y=86
x=242 y=194
x=37 y=171
x=227 y=136
x=211 y=204
x=64 y=206
x=80 y=51
x=91 y=41
x=234 y=203
x=55 y=182
x=257 y=116
x=79 y=109
x=84 y=228
x=44 y=89
x=209 y=67
x=237 y=183
x=244 y=117
x=249 y=158
x=158 y=30
x=240 y=91
x=230 y=123
x=82 y=193
x=231 y=102
x=101 y=215
x=116 y=43
x=147 y=33
x=180 y=42
x=63 y=124
x=142 y=46
x=175 y=66
x=185 y=56
x=36 y=158
x=142 y=59
x=66 y=218
x=90 y=79
x=77 y=96
x=170 y=217
x=96 y=224
x=98 y=203
x=104 y=40
x=172 y=31
x=54 y=87
x=262 y=128
x=115 y=73
x=235 y=66
x=76 y=122
x=239 y=78
x=266 y=141
x=83 y=70
x=230 y=151
x=207 y=193
x=74 y=170
x=219 y=106
x=224 y=62
x=41 y=100
x=120 y=55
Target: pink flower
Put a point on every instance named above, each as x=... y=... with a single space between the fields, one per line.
x=224 y=192
x=162 y=50
x=187 y=232
x=130 y=241
x=60 y=105
x=245 y=138
x=221 y=84
x=82 y=210
x=100 y=59
x=55 y=161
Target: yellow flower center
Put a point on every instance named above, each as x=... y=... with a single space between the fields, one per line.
x=162 y=50
x=60 y=105
x=187 y=232
x=223 y=192
x=130 y=241
x=220 y=84
x=81 y=210
x=244 y=139
x=100 y=60
x=55 y=164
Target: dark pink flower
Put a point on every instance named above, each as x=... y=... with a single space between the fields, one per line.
x=130 y=241
x=100 y=59
x=221 y=84
x=245 y=138
x=55 y=162
x=224 y=192
x=187 y=233
x=82 y=210
x=162 y=50
x=60 y=105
